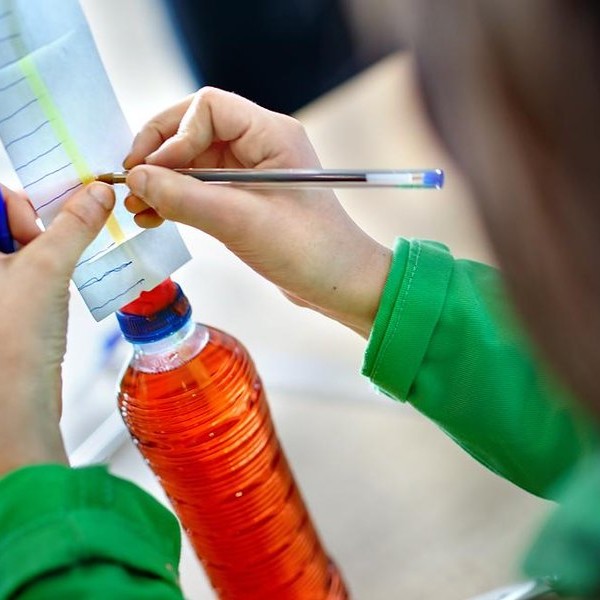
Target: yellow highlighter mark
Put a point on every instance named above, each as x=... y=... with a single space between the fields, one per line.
x=61 y=131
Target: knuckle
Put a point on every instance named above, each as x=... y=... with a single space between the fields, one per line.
x=208 y=94
x=153 y=130
x=81 y=216
x=295 y=127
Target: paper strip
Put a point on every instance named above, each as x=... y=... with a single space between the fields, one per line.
x=60 y=124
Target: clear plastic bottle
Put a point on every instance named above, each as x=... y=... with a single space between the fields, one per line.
x=195 y=406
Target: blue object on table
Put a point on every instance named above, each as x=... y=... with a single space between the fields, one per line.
x=7 y=244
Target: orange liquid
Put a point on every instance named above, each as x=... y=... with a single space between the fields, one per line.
x=206 y=431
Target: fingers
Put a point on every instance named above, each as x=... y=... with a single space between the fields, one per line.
x=155 y=132
x=21 y=216
x=212 y=115
x=135 y=205
x=148 y=219
x=144 y=216
x=256 y=136
x=218 y=210
x=73 y=229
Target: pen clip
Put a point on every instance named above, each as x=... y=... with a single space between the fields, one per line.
x=7 y=244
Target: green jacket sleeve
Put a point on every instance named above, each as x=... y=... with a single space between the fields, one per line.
x=85 y=534
x=445 y=341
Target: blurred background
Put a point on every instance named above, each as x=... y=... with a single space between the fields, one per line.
x=403 y=511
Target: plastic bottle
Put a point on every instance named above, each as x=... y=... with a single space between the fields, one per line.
x=196 y=409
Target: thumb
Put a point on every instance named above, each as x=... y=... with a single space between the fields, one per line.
x=220 y=211
x=75 y=227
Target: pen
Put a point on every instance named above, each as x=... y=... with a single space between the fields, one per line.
x=311 y=178
x=7 y=245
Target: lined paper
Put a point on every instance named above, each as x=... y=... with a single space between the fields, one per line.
x=61 y=124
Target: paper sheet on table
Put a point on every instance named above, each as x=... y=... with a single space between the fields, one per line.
x=61 y=124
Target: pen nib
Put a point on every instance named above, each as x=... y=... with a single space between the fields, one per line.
x=112 y=178
x=106 y=178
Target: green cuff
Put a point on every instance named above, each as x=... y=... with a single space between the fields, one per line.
x=411 y=304
x=53 y=517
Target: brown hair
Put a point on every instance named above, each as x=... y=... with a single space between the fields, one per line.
x=513 y=88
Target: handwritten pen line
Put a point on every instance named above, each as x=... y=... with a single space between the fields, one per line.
x=26 y=135
x=22 y=108
x=10 y=85
x=41 y=155
x=12 y=36
x=82 y=262
x=118 y=296
x=94 y=280
x=12 y=61
x=59 y=196
x=47 y=175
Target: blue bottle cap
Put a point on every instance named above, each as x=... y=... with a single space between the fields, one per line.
x=153 y=326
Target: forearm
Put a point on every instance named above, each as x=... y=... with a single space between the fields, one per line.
x=445 y=341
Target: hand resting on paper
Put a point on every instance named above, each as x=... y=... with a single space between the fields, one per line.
x=303 y=241
x=33 y=321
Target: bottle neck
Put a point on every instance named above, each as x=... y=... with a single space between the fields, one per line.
x=172 y=351
x=167 y=343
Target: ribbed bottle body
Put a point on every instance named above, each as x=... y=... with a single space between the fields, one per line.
x=205 y=429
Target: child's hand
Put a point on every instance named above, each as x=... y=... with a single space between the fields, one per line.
x=33 y=321
x=303 y=241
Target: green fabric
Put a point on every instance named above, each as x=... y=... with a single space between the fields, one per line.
x=445 y=341
x=569 y=544
x=85 y=534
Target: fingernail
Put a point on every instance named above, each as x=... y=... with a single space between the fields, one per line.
x=102 y=194
x=137 y=180
x=127 y=161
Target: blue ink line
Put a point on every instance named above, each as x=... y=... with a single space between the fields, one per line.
x=26 y=135
x=47 y=175
x=94 y=255
x=7 y=87
x=59 y=196
x=12 y=61
x=37 y=157
x=18 y=110
x=117 y=297
x=94 y=280
x=12 y=36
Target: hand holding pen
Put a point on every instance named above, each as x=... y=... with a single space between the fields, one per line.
x=299 y=238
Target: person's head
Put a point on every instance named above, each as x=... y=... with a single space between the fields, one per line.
x=513 y=88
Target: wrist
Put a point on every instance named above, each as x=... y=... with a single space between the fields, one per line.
x=361 y=295
x=352 y=292
x=29 y=430
x=30 y=449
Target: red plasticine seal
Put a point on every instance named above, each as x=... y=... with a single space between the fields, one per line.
x=153 y=301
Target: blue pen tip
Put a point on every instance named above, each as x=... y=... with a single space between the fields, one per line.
x=434 y=179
